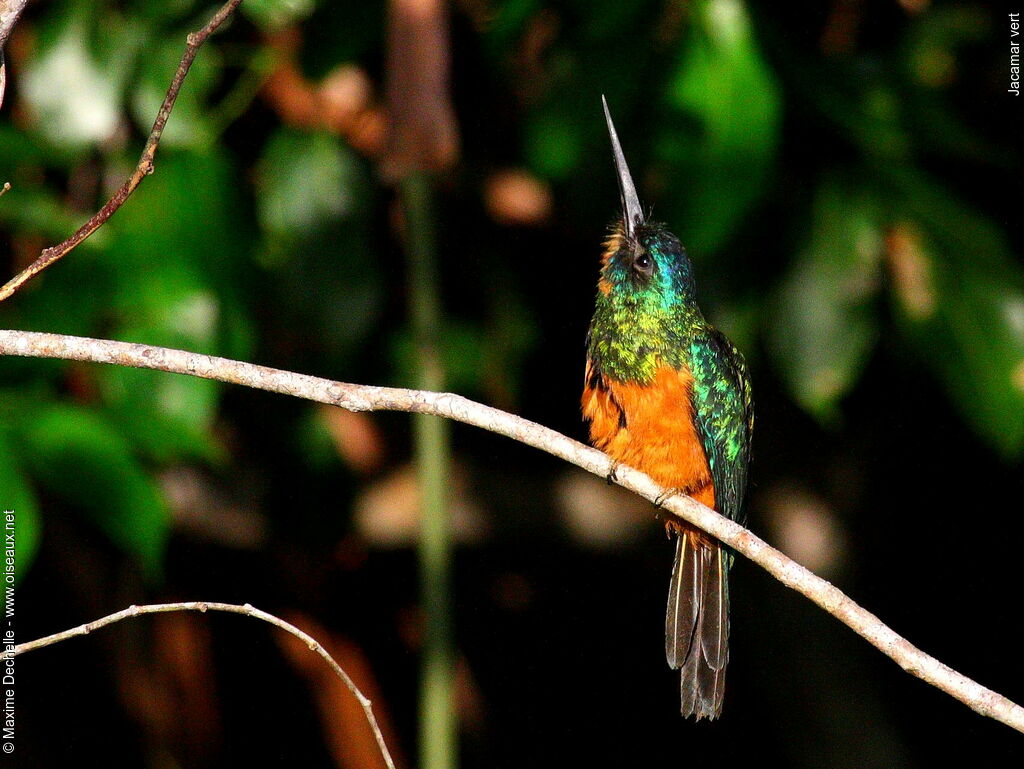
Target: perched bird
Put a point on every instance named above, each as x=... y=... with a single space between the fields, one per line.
x=667 y=393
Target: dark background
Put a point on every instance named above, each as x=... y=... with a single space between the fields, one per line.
x=847 y=178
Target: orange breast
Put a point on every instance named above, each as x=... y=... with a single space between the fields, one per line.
x=651 y=428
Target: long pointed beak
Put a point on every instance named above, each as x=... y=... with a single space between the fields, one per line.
x=632 y=214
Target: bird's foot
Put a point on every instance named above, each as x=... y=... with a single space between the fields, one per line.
x=666 y=495
x=611 y=477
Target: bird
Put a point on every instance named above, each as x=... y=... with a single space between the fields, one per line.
x=667 y=393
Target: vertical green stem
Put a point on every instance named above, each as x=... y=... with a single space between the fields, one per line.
x=437 y=712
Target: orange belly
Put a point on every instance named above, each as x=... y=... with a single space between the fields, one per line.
x=652 y=429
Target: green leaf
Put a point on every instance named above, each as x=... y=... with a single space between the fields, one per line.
x=313 y=205
x=274 y=14
x=18 y=501
x=76 y=455
x=959 y=297
x=184 y=224
x=982 y=321
x=720 y=131
x=168 y=417
x=176 y=249
x=37 y=210
x=823 y=321
x=306 y=181
x=76 y=76
x=161 y=11
x=22 y=149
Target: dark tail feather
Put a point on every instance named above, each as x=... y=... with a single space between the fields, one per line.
x=683 y=603
x=697 y=626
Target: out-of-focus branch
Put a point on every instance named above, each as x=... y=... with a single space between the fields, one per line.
x=205 y=606
x=369 y=398
x=422 y=132
x=422 y=138
x=142 y=170
x=10 y=10
x=437 y=727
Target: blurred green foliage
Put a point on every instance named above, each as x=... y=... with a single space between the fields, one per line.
x=20 y=498
x=720 y=126
x=827 y=198
x=823 y=320
x=76 y=455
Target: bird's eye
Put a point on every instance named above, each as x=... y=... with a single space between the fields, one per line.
x=643 y=263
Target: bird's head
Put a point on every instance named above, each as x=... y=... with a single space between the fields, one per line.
x=643 y=261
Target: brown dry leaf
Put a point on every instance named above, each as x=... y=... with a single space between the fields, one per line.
x=185 y=651
x=369 y=132
x=530 y=63
x=599 y=514
x=345 y=93
x=517 y=197
x=806 y=528
x=356 y=437
x=911 y=271
x=287 y=91
x=343 y=103
x=469 y=701
x=387 y=512
x=204 y=511
x=347 y=733
x=422 y=134
x=173 y=693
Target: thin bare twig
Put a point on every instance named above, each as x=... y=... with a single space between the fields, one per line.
x=369 y=398
x=142 y=170
x=204 y=606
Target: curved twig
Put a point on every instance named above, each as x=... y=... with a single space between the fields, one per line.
x=249 y=611
x=142 y=170
x=369 y=398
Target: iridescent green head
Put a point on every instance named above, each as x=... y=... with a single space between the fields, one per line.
x=642 y=256
x=646 y=311
x=648 y=269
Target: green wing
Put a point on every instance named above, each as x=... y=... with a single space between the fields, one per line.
x=724 y=409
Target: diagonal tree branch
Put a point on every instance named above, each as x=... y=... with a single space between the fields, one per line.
x=369 y=398
x=204 y=606
x=142 y=170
